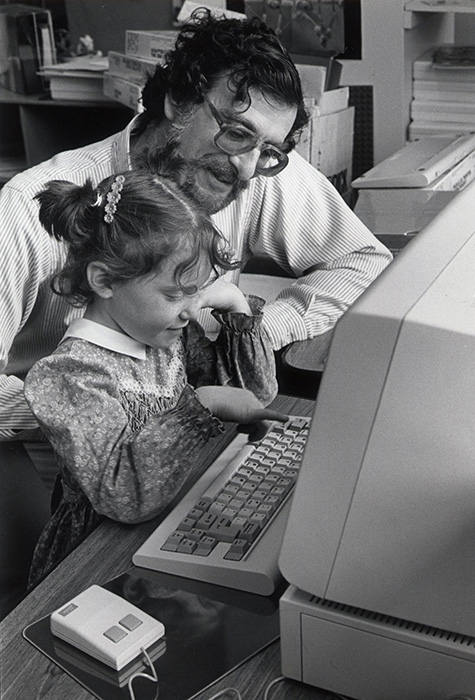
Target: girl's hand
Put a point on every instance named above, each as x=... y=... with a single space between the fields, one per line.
x=239 y=406
x=226 y=297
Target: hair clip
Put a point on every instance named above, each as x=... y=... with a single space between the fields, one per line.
x=113 y=198
x=98 y=201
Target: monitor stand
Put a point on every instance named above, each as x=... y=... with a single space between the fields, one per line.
x=369 y=656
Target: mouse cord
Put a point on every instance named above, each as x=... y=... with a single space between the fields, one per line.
x=150 y=676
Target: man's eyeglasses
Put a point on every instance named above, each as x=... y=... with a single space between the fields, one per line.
x=235 y=139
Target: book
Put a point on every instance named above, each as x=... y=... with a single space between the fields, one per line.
x=135 y=69
x=423 y=69
x=420 y=128
x=444 y=94
x=453 y=56
x=149 y=44
x=443 y=111
x=78 y=79
x=78 y=88
x=440 y=107
x=123 y=91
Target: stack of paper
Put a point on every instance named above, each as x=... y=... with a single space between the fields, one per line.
x=443 y=92
x=79 y=79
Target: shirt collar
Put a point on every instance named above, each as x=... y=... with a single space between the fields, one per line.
x=105 y=337
x=121 y=147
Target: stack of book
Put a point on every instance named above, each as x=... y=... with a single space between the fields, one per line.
x=129 y=71
x=77 y=79
x=443 y=92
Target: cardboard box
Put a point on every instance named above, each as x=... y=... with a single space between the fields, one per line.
x=123 y=91
x=149 y=44
x=26 y=41
x=135 y=69
x=327 y=143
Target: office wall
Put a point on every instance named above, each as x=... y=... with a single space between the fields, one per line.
x=107 y=20
x=465 y=29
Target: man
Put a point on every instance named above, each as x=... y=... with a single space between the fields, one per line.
x=225 y=110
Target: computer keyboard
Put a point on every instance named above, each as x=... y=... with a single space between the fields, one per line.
x=228 y=527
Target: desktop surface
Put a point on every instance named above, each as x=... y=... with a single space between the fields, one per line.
x=105 y=554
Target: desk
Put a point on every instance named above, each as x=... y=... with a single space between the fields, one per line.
x=26 y=674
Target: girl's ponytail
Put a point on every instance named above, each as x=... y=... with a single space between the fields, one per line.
x=67 y=210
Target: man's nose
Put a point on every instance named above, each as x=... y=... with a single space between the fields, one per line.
x=246 y=163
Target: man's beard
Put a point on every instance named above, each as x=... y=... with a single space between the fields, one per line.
x=168 y=162
x=211 y=201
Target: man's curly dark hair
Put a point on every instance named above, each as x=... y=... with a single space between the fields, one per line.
x=208 y=47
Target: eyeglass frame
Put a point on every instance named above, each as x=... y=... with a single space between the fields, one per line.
x=282 y=157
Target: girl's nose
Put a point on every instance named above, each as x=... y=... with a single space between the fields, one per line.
x=190 y=310
x=246 y=163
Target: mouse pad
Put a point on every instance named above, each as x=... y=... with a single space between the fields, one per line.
x=209 y=630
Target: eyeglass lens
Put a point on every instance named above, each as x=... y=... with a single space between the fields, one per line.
x=235 y=140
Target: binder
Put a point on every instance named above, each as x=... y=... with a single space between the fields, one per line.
x=26 y=40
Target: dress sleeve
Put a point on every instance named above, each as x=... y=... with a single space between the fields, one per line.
x=127 y=476
x=241 y=356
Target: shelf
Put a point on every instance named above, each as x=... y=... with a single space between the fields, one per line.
x=44 y=100
x=35 y=127
x=440 y=6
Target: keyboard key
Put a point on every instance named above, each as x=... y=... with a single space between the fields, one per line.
x=237 y=550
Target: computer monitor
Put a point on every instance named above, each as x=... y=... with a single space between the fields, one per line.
x=382 y=524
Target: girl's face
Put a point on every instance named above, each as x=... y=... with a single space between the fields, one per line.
x=152 y=309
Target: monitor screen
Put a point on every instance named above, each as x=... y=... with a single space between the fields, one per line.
x=383 y=516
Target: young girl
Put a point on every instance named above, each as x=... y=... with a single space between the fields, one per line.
x=135 y=387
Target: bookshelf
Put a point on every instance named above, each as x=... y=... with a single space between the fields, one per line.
x=35 y=127
x=392 y=37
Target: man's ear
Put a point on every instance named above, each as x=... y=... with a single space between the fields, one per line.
x=99 y=279
x=169 y=107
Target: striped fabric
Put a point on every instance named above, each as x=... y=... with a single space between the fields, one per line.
x=297 y=218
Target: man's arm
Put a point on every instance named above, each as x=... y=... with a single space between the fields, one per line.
x=24 y=264
x=300 y=221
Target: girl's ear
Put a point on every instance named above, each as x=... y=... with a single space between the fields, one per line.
x=169 y=107
x=98 y=277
